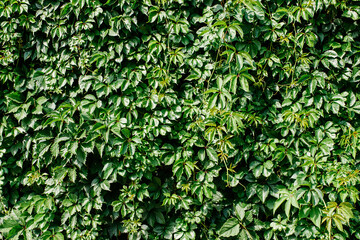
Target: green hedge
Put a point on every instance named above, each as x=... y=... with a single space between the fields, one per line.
x=176 y=119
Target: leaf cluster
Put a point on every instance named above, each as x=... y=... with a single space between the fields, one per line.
x=173 y=119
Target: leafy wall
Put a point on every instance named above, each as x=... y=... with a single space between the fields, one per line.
x=179 y=119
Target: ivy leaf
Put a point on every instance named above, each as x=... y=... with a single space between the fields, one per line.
x=263 y=193
x=230 y=228
x=330 y=54
x=58 y=236
x=211 y=154
x=278 y=202
x=244 y=84
x=315 y=216
x=72 y=174
x=107 y=170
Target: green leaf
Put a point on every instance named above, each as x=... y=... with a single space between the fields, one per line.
x=244 y=84
x=239 y=211
x=105 y=185
x=201 y=154
x=315 y=216
x=230 y=228
x=72 y=175
x=15 y=232
x=7 y=225
x=338 y=224
x=81 y=155
x=310 y=39
x=107 y=170
x=304 y=211
x=213 y=100
x=124 y=147
x=288 y=207
x=263 y=193
x=239 y=61
x=330 y=54
x=58 y=236
x=211 y=154
x=160 y=217
x=278 y=202
x=55 y=149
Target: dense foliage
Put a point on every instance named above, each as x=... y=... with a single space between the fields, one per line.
x=176 y=119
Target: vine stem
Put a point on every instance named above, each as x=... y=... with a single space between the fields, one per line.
x=247 y=231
